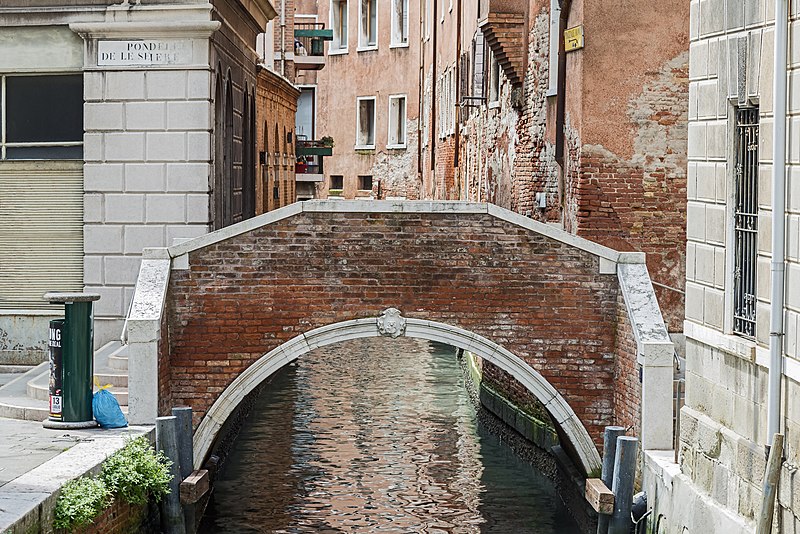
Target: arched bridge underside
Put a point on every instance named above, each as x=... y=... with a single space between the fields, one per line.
x=572 y=321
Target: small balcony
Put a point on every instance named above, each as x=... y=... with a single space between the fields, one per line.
x=308 y=165
x=309 y=45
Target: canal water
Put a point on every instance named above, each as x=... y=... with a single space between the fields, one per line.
x=376 y=435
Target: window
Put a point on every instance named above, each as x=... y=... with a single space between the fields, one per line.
x=428 y=18
x=447 y=102
x=478 y=64
x=555 y=24
x=397 y=121
x=365 y=122
x=426 y=113
x=368 y=34
x=337 y=183
x=400 y=23
x=365 y=183
x=745 y=222
x=339 y=25
x=41 y=117
x=494 y=79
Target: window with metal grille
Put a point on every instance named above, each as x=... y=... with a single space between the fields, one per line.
x=745 y=222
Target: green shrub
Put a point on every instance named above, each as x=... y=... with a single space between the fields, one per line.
x=80 y=502
x=137 y=471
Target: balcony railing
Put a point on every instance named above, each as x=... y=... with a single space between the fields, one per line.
x=309 y=147
x=309 y=44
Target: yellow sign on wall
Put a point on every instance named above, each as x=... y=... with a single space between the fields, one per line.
x=573 y=38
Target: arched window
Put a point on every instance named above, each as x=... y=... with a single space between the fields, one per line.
x=219 y=157
x=227 y=178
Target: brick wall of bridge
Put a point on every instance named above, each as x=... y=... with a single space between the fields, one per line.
x=541 y=299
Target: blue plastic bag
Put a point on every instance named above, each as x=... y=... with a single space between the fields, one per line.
x=106 y=410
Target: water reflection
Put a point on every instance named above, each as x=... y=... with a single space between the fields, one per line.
x=376 y=436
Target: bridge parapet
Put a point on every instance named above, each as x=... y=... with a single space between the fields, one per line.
x=213 y=317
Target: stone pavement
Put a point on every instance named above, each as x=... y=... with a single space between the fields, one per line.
x=36 y=462
x=25 y=445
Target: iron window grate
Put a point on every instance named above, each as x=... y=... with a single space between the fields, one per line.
x=745 y=222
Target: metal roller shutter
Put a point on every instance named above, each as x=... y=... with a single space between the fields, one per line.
x=41 y=231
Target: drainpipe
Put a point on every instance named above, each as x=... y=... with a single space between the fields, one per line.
x=434 y=68
x=457 y=111
x=561 y=97
x=283 y=38
x=778 y=221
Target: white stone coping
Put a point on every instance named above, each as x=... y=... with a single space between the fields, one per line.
x=147 y=29
x=654 y=346
x=144 y=319
x=402 y=206
x=258 y=372
x=27 y=502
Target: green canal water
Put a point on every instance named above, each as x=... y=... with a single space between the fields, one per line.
x=376 y=436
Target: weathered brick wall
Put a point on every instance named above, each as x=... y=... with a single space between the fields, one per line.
x=445 y=169
x=277 y=105
x=640 y=203
x=627 y=387
x=123 y=518
x=543 y=300
x=630 y=200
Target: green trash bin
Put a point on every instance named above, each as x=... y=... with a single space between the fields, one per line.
x=70 y=344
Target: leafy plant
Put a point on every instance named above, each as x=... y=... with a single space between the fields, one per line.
x=137 y=471
x=327 y=141
x=80 y=501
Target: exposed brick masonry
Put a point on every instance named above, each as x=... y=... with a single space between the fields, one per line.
x=541 y=299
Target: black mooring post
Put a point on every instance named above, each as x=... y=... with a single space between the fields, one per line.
x=624 y=475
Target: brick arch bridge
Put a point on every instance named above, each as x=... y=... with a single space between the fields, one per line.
x=576 y=323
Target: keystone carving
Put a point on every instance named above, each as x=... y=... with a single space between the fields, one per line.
x=391 y=323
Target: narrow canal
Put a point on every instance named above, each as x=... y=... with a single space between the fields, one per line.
x=376 y=436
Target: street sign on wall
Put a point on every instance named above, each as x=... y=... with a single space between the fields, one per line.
x=573 y=38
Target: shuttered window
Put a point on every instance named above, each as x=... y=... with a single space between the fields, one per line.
x=41 y=231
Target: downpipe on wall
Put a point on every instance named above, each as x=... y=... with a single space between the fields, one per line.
x=777 y=266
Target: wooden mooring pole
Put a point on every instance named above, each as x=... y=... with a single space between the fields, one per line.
x=607 y=475
x=770 y=487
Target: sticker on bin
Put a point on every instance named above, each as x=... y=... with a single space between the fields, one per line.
x=55 y=404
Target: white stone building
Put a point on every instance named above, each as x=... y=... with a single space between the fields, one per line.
x=724 y=428
x=123 y=126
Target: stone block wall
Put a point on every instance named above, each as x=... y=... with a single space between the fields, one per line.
x=147 y=151
x=724 y=423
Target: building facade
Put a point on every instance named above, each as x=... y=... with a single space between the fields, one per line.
x=591 y=137
x=126 y=126
x=367 y=98
x=725 y=423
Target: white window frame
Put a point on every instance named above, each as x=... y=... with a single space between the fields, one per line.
x=555 y=24
x=332 y=49
x=429 y=15
x=404 y=142
x=397 y=26
x=359 y=145
x=495 y=72
x=363 y=46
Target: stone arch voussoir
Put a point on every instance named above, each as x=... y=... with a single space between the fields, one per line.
x=392 y=324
